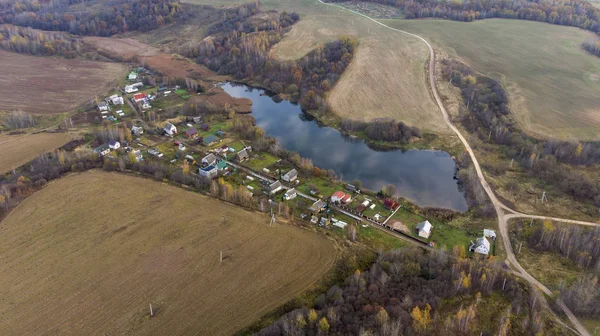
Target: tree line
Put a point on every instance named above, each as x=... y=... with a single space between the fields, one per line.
x=111 y=18
x=42 y=43
x=382 y=130
x=576 y=13
x=592 y=46
x=488 y=117
x=406 y=292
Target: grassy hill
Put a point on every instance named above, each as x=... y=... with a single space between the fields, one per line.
x=554 y=86
x=87 y=254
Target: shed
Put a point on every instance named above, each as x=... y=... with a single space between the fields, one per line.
x=275 y=187
x=290 y=176
x=114 y=144
x=290 y=194
x=209 y=140
x=210 y=159
x=424 y=229
x=191 y=133
x=481 y=246
x=243 y=155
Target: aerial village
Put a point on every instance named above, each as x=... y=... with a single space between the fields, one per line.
x=209 y=147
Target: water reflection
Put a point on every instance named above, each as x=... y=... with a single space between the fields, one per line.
x=423 y=176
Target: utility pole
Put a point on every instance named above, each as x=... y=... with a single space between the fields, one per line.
x=531 y=223
x=504 y=284
x=490 y=135
x=521 y=245
x=221 y=257
x=511 y=162
x=544 y=197
x=151 y=311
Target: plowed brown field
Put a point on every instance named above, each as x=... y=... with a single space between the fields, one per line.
x=16 y=150
x=52 y=85
x=87 y=254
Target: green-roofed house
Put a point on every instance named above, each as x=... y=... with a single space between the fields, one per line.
x=102 y=149
x=209 y=140
x=221 y=165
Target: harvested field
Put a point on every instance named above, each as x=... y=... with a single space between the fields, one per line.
x=219 y=97
x=125 y=48
x=549 y=78
x=16 y=150
x=110 y=244
x=52 y=85
x=387 y=77
x=177 y=66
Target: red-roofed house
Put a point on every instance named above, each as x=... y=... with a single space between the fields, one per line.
x=139 y=97
x=340 y=197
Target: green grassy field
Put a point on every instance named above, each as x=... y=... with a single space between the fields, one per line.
x=554 y=86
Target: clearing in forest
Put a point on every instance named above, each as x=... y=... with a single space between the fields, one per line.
x=387 y=76
x=88 y=253
x=553 y=85
x=16 y=150
x=53 y=85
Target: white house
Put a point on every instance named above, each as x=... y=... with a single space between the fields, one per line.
x=339 y=224
x=481 y=246
x=130 y=89
x=275 y=187
x=132 y=76
x=489 y=234
x=103 y=106
x=114 y=144
x=209 y=172
x=116 y=100
x=290 y=176
x=340 y=197
x=102 y=149
x=137 y=130
x=424 y=229
x=138 y=155
x=170 y=129
x=290 y=194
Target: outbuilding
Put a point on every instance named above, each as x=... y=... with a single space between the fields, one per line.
x=424 y=229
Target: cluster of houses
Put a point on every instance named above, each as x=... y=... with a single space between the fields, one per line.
x=211 y=166
x=105 y=107
x=114 y=145
x=340 y=197
x=143 y=99
x=133 y=87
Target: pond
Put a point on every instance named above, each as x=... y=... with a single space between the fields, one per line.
x=425 y=177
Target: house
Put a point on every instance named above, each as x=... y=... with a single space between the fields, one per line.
x=190 y=159
x=366 y=203
x=377 y=217
x=314 y=219
x=324 y=221
x=146 y=105
x=224 y=149
x=139 y=97
x=424 y=229
x=170 y=129
x=275 y=187
x=114 y=144
x=318 y=206
x=120 y=113
x=130 y=89
x=221 y=165
x=340 y=197
x=209 y=171
x=138 y=85
x=209 y=140
x=243 y=155
x=205 y=127
x=103 y=106
x=489 y=234
x=390 y=204
x=209 y=160
x=132 y=76
x=290 y=194
x=339 y=224
x=197 y=120
x=481 y=246
x=138 y=155
x=137 y=130
x=102 y=149
x=116 y=100
x=350 y=187
x=291 y=175
x=191 y=133
x=220 y=133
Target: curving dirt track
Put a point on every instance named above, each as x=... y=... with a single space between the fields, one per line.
x=498 y=206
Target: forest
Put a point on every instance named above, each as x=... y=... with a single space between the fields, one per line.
x=43 y=43
x=382 y=130
x=240 y=44
x=487 y=116
x=415 y=292
x=579 y=244
x=105 y=20
x=576 y=13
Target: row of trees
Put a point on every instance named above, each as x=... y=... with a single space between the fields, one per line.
x=382 y=130
x=36 y=42
x=487 y=115
x=112 y=18
x=405 y=292
x=592 y=46
x=576 y=13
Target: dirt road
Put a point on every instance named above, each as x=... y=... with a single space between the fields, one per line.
x=498 y=206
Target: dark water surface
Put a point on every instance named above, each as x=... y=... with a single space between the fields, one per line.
x=423 y=176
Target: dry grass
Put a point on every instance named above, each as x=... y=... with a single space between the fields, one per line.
x=553 y=85
x=387 y=78
x=88 y=253
x=52 y=85
x=126 y=48
x=16 y=150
